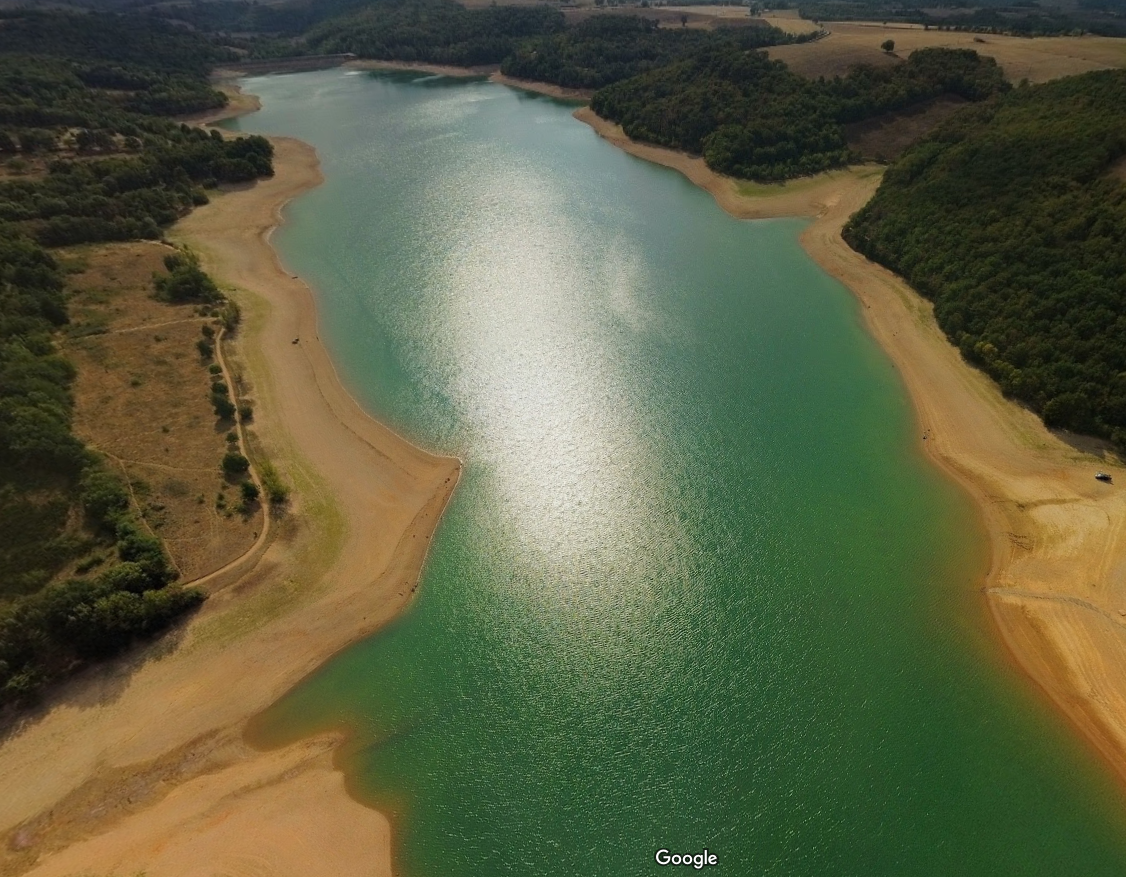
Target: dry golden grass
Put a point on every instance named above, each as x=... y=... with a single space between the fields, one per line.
x=666 y=17
x=788 y=20
x=482 y=4
x=1037 y=60
x=141 y=398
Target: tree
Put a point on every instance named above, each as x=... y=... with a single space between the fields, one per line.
x=235 y=463
x=249 y=491
x=224 y=407
x=185 y=281
x=888 y=46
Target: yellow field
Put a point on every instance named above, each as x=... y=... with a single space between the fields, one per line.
x=1035 y=59
x=141 y=398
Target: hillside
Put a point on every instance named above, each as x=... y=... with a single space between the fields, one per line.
x=88 y=156
x=1011 y=218
x=751 y=117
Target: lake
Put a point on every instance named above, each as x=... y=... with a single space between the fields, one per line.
x=698 y=587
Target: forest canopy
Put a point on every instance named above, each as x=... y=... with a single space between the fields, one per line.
x=751 y=117
x=609 y=48
x=1010 y=219
x=528 y=42
x=435 y=31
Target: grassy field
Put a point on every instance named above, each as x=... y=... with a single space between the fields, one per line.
x=142 y=399
x=1035 y=59
x=751 y=189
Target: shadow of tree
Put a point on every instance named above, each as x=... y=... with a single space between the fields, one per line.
x=96 y=685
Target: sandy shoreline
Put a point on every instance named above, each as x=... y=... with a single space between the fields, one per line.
x=150 y=771
x=491 y=71
x=1056 y=586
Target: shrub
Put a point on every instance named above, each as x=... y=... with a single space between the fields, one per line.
x=250 y=492
x=276 y=489
x=104 y=497
x=235 y=463
x=224 y=407
x=185 y=281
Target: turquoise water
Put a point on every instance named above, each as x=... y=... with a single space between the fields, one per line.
x=697 y=587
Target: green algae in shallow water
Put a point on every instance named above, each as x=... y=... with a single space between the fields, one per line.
x=697 y=588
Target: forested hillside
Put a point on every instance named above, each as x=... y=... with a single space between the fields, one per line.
x=1011 y=217
x=751 y=117
x=609 y=48
x=529 y=42
x=86 y=155
x=435 y=31
x=47 y=478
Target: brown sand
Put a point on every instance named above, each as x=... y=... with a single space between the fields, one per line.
x=1056 y=586
x=148 y=770
x=558 y=91
x=417 y=67
x=490 y=71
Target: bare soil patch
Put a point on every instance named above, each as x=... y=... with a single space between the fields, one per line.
x=885 y=137
x=142 y=399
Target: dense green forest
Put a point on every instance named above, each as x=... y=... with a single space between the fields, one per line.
x=435 y=31
x=609 y=48
x=115 y=167
x=751 y=117
x=87 y=155
x=1009 y=219
x=528 y=42
x=243 y=17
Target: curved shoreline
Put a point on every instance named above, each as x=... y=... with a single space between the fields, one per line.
x=150 y=768
x=1056 y=584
